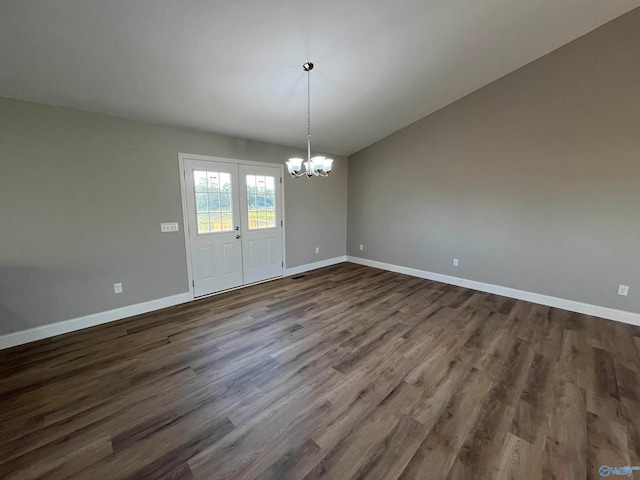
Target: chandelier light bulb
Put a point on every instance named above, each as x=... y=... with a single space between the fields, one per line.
x=294 y=165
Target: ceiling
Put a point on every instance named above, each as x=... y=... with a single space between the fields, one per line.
x=235 y=66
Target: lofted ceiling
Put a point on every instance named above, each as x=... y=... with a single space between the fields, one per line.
x=235 y=66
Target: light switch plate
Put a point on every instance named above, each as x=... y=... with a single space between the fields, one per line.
x=169 y=227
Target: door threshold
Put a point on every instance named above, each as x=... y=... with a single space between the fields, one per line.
x=237 y=288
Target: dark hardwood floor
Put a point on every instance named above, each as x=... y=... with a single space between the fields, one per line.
x=344 y=372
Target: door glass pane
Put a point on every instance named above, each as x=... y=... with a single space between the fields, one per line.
x=213 y=181
x=203 y=223
x=225 y=202
x=214 y=202
x=227 y=222
x=201 y=203
x=261 y=202
x=200 y=181
x=214 y=218
x=225 y=182
x=214 y=205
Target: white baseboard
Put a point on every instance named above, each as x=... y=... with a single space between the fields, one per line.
x=66 y=326
x=312 y=266
x=564 y=304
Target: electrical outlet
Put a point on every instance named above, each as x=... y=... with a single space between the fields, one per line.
x=456 y=262
x=317 y=249
x=117 y=288
x=361 y=247
x=623 y=290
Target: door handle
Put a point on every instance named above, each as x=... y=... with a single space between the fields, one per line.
x=238 y=236
x=237 y=228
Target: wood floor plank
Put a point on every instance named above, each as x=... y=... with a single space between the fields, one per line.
x=356 y=453
x=607 y=444
x=345 y=372
x=104 y=419
x=253 y=447
x=480 y=455
x=396 y=450
x=629 y=389
x=566 y=444
x=294 y=464
x=166 y=447
x=439 y=450
x=530 y=420
x=515 y=463
x=349 y=406
x=65 y=463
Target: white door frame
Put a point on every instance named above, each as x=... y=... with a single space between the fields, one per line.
x=185 y=214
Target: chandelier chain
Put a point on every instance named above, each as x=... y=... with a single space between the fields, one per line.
x=308 y=115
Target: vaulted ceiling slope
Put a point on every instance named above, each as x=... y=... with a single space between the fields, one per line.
x=234 y=67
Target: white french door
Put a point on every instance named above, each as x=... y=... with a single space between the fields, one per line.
x=213 y=205
x=234 y=216
x=261 y=222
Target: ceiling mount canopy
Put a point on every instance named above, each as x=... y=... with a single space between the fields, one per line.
x=316 y=166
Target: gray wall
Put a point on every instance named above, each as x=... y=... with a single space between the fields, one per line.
x=82 y=196
x=533 y=181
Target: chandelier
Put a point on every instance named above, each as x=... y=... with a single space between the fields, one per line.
x=316 y=166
